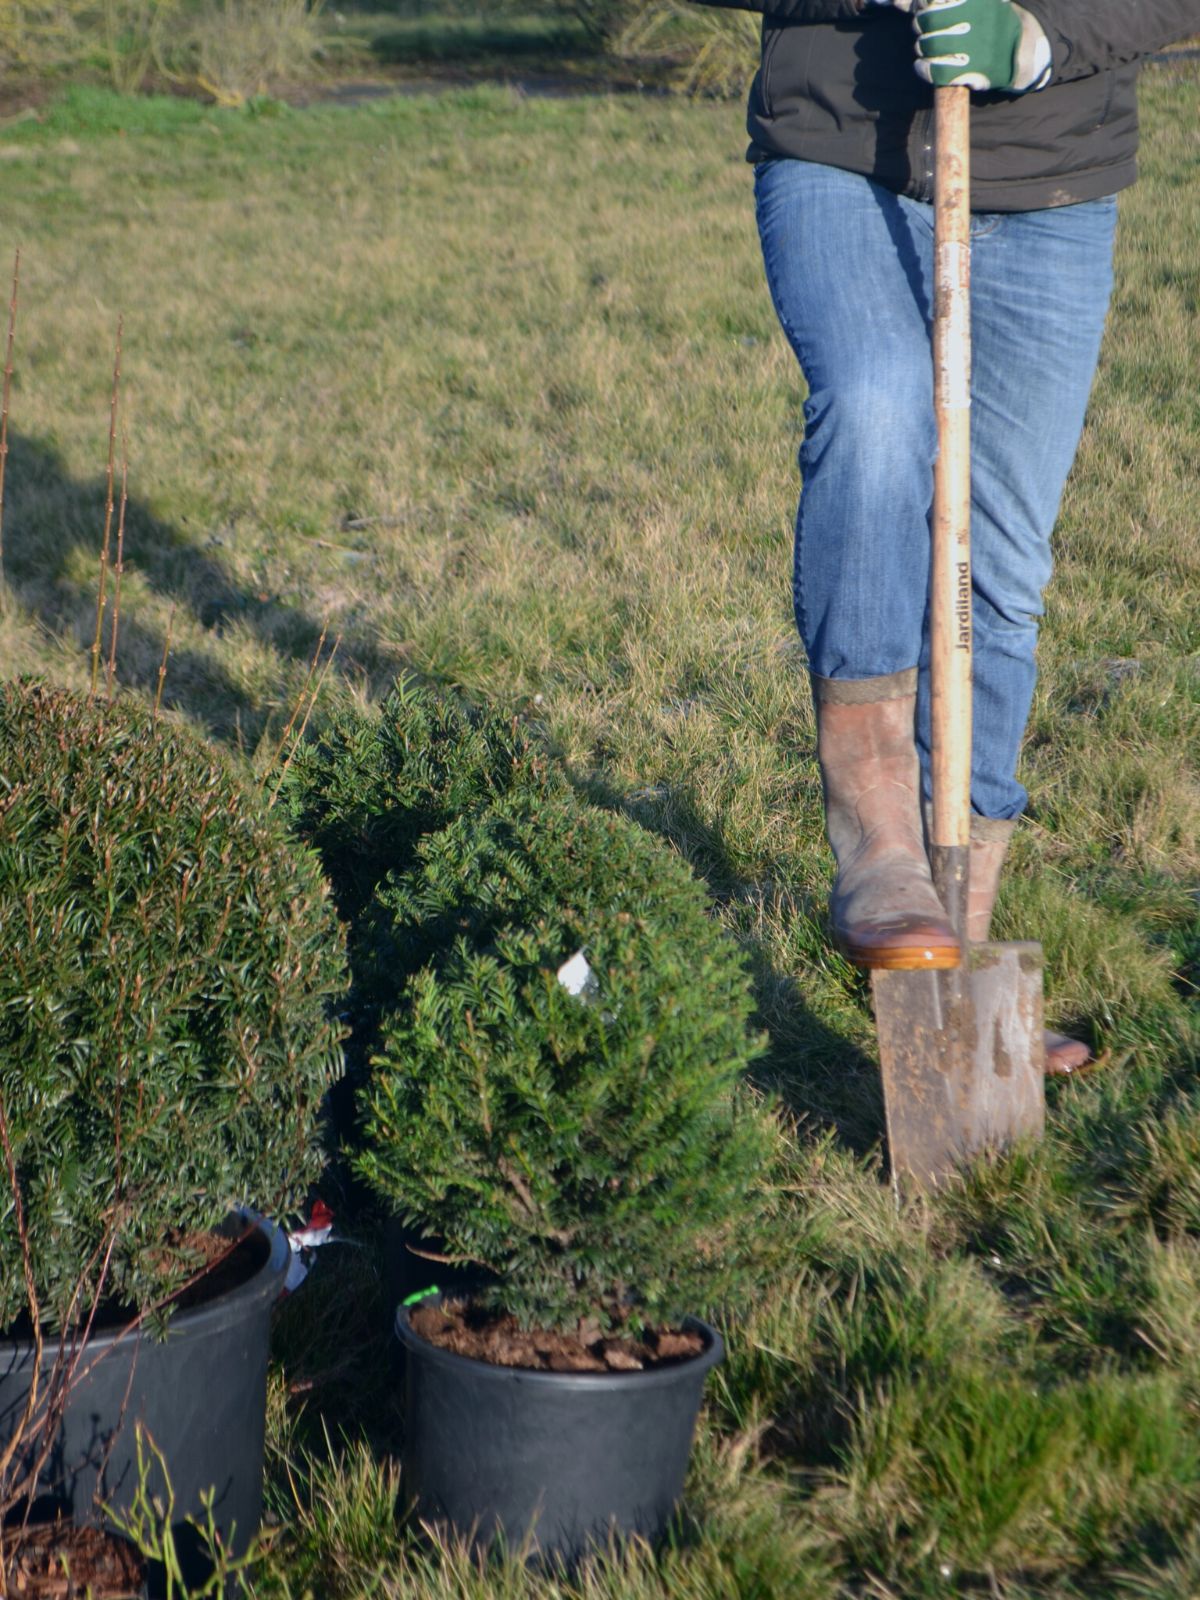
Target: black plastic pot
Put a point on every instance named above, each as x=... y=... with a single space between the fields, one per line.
x=553 y=1463
x=200 y=1392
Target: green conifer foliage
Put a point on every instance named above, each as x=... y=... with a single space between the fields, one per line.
x=170 y=962
x=598 y=1152
x=367 y=789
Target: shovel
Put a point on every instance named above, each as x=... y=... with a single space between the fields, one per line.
x=961 y=1049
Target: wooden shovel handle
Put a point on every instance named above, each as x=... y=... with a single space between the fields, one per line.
x=950 y=580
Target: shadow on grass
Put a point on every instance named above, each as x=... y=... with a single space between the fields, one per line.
x=53 y=529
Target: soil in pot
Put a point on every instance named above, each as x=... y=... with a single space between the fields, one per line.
x=458 y=1326
x=58 y=1561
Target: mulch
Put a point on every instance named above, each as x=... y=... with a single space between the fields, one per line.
x=57 y=1561
x=499 y=1339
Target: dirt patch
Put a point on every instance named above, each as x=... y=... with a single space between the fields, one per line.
x=19 y=100
x=60 y=1562
x=458 y=1326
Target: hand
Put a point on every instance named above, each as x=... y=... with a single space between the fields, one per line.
x=971 y=42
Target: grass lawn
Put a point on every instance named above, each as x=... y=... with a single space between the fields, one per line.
x=492 y=387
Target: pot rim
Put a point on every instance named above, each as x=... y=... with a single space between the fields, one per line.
x=222 y=1311
x=675 y=1372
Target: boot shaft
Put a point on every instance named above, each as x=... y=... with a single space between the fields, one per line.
x=990 y=839
x=884 y=909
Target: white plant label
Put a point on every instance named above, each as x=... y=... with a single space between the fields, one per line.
x=577 y=978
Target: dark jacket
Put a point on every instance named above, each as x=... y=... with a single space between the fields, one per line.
x=836 y=85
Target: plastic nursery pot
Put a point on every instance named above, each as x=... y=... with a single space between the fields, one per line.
x=550 y=1463
x=200 y=1393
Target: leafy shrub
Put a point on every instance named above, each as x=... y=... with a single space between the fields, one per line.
x=714 y=51
x=169 y=962
x=135 y=34
x=368 y=789
x=35 y=34
x=596 y=1152
x=239 y=48
x=126 y=36
x=603 y=21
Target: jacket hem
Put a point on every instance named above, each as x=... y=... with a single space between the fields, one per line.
x=1008 y=194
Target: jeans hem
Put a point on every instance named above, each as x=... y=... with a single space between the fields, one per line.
x=863 y=691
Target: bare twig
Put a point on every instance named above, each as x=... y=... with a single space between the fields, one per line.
x=162 y=668
x=442 y=1261
x=312 y=700
x=312 y=667
x=8 y=372
x=344 y=549
x=18 y=1437
x=138 y=1320
x=36 y=1434
x=44 y=1434
x=101 y=595
x=119 y=569
x=68 y=1371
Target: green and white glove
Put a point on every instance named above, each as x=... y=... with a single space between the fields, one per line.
x=982 y=44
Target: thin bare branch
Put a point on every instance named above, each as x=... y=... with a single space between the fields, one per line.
x=312 y=667
x=119 y=569
x=63 y=1374
x=162 y=667
x=18 y=1437
x=313 y=698
x=101 y=594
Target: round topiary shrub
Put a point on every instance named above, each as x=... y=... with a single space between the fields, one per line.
x=166 y=1037
x=595 y=1150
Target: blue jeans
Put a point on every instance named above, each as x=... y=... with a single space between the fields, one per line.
x=849 y=266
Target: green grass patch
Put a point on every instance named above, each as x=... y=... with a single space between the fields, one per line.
x=86 y=111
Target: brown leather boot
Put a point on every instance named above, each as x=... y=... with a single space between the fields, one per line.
x=884 y=908
x=990 y=839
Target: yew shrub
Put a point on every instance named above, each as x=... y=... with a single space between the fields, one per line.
x=171 y=966
x=597 y=1152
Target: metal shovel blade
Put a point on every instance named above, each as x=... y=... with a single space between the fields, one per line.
x=963 y=1059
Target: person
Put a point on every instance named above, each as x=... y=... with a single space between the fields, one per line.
x=841 y=136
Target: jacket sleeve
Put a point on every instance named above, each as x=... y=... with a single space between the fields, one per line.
x=795 y=10
x=1088 y=36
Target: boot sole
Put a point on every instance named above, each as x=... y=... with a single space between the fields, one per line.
x=904 y=958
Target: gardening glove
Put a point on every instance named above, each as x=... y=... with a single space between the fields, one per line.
x=982 y=44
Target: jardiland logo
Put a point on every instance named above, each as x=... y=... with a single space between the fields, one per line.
x=962 y=605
